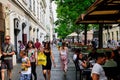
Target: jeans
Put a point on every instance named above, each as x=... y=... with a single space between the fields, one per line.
x=25 y=76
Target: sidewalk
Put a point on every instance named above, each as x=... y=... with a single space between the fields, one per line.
x=56 y=73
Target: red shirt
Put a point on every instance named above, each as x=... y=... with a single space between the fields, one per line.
x=37 y=45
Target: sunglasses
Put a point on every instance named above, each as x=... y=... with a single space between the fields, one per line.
x=7 y=39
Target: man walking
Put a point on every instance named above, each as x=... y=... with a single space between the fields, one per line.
x=37 y=44
x=8 y=51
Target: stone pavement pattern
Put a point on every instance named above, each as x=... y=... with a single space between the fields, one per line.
x=56 y=73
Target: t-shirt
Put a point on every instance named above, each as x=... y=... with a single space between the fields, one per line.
x=8 y=48
x=110 y=63
x=97 y=69
x=63 y=51
x=25 y=70
x=80 y=64
x=37 y=45
x=74 y=57
x=31 y=55
x=60 y=44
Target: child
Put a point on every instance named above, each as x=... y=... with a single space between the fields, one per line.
x=25 y=67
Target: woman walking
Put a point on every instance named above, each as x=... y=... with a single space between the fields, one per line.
x=47 y=69
x=64 y=56
x=32 y=54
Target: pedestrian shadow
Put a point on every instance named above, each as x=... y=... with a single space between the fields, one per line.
x=64 y=77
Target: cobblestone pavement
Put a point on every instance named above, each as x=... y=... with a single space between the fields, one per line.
x=56 y=73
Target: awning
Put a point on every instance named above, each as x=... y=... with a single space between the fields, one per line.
x=102 y=11
x=72 y=34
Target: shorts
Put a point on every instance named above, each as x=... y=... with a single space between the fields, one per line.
x=25 y=76
x=7 y=64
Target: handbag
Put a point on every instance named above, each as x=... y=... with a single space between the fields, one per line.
x=42 y=59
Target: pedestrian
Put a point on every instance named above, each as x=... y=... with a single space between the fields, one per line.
x=8 y=51
x=37 y=44
x=48 y=52
x=64 y=57
x=25 y=73
x=97 y=70
x=59 y=44
x=32 y=54
x=21 y=47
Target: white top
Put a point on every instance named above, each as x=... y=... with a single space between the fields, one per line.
x=74 y=57
x=31 y=55
x=80 y=64
x=28 y=71
x=63 y=51
x=97 y=69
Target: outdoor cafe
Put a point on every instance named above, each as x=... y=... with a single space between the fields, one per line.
x=101 y=12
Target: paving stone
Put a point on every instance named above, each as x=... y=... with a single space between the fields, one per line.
x=56 y=73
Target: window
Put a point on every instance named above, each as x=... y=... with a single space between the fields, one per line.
x=25 y=2
x=30 y=4
x=34 y=6
x=16 y=23
x=38 y=10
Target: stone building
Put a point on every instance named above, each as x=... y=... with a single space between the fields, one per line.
x=111 y=33
x=25 y=20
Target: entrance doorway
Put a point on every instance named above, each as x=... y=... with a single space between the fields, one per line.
x=24 y=36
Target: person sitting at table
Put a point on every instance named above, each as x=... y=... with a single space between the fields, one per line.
x=92 y=54
x=75 y=55
x=83 y=64
x=109 y=60
x=117 y=56
x=98 y=72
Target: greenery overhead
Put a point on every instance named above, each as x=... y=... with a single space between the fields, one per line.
x=67 y=13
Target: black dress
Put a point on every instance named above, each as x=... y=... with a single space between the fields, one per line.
x=49 y=63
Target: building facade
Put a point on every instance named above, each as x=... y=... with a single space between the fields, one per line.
x=26 y=20
x=111 y=33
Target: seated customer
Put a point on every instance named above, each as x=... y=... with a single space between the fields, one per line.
x=109 y=60
x=83 y=64
x=97 y=70
x=92 y=55
x=75 y=56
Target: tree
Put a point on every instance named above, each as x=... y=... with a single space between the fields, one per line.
x=67 y=13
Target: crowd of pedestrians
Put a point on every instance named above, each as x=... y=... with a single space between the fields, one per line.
x=29 y=59
x=94 y=62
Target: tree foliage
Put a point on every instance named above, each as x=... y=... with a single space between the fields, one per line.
x=67 y=13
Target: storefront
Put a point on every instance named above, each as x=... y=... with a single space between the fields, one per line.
x=2 y=26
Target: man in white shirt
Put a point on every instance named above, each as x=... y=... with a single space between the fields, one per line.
x=97 y=70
